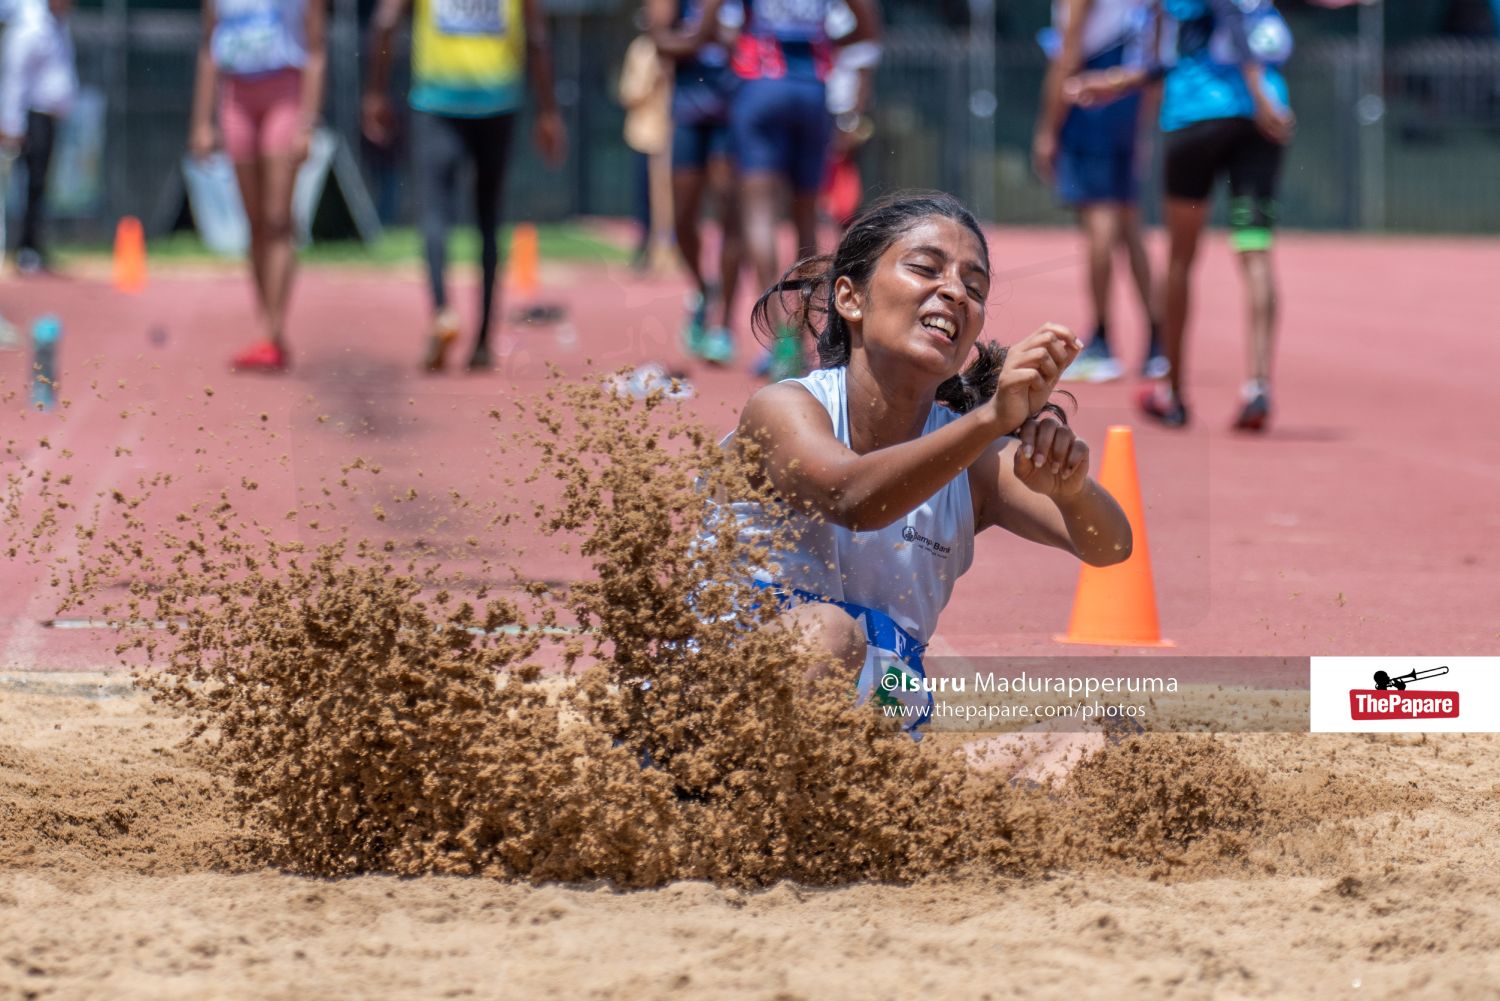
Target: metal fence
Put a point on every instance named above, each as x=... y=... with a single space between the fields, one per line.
x=1407 y=139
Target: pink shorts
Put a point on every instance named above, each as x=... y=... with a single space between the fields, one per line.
x=260 y=115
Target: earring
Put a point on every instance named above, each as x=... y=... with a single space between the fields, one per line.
x=854 y=313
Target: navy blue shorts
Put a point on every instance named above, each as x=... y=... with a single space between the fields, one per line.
x=694 y=145
x=1085 y=177
x=782 y=127
x=1096 y=149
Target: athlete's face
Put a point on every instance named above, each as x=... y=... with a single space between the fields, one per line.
x=924 y=303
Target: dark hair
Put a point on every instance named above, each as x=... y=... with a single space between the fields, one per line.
x=869 y=236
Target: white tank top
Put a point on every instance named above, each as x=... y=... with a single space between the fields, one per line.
x=254 y=37
x=1109 y=23
x=907 y=569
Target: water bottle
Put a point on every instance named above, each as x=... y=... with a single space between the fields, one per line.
x=45 y=333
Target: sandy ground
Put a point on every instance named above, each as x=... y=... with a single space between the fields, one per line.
x=120 y=877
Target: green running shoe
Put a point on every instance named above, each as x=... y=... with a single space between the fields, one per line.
x=718 y=346
x=786 y=356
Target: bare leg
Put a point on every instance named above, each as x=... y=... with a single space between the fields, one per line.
x=1185 y=221
x=732 y=251
x=1133 y=240
x=805 y=221
x=248 y=175
x=1101 y=224
x=1040 y=754
x=758 y=200
x=278 y=175
x=1260 y=286
x=687 y=199
x=831 y=633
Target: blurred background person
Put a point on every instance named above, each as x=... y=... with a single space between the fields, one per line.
x=470 y=61
x=702 y=160
x=1225 y=111
x=264 y=60
x=38 y=84
x=645 y=93
x=1090 y=156
x=781 y=128
x=851 y=91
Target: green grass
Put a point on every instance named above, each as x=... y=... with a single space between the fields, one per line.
x=397 y=246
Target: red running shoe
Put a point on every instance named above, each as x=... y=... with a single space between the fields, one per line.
x=1160 y=404
x=263 y=356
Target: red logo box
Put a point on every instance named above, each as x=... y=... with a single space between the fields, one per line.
x=1369 y=703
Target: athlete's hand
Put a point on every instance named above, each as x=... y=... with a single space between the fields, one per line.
x=1044 y=155
x=375 y=118
x=201 y=141
x=1275 y=123
x=1090 y=88
x=1052 y=460
x=1030 y=373
x=551 y=137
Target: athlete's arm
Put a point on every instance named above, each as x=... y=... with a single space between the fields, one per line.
x=375 y=107
x=811 y=468
x=867 y=23
x=708 y=21
x=314 y=71
x=201 y=129
x=1054 y=109
x=1272 y=119
x=661 y=23
x=1036 y=485
x=549 y=133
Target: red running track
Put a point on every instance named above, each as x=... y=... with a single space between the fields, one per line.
x=1365 y=522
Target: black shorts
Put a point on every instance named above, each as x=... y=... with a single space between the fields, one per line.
x=1196 y=155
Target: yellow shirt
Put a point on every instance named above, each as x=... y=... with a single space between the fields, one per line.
x=468 y=57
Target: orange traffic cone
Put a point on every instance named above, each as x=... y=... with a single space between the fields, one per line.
x=130 y=255
x=1116 y=606
x=524 y=260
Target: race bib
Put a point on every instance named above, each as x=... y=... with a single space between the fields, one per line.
x=469 y=17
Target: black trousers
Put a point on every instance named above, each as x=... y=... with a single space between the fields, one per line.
x=440 y=145
x=36 y=154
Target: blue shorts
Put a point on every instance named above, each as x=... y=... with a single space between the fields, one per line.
x=782 y=127
x=1086 y=177
x=694 y=145
x=1096 y=149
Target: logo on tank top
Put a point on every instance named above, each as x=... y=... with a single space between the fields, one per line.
x=933 y=546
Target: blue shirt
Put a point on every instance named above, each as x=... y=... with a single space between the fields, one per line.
x=1205 y=82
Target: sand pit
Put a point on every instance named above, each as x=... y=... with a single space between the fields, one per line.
x=122 y=875
x=356 y=782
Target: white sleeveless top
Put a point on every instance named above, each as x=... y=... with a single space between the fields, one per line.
x=255 y=37
x=907 y=569
x=1109 y=23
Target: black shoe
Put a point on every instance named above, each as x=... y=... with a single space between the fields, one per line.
x=1167 y=410
x=1255 y=414
x=480 y=361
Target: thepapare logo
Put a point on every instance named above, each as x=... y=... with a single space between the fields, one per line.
x=931 y=545
x=1390 y=699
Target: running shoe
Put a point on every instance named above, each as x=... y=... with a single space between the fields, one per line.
x=1255 y=413
x=786 y=357
x=718 y=346
x=263 y=356
x=695 y=331
x=1163 y=406
x=480 y=360
x=1156 y=365
x=1094 y=364
x=444 y=333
